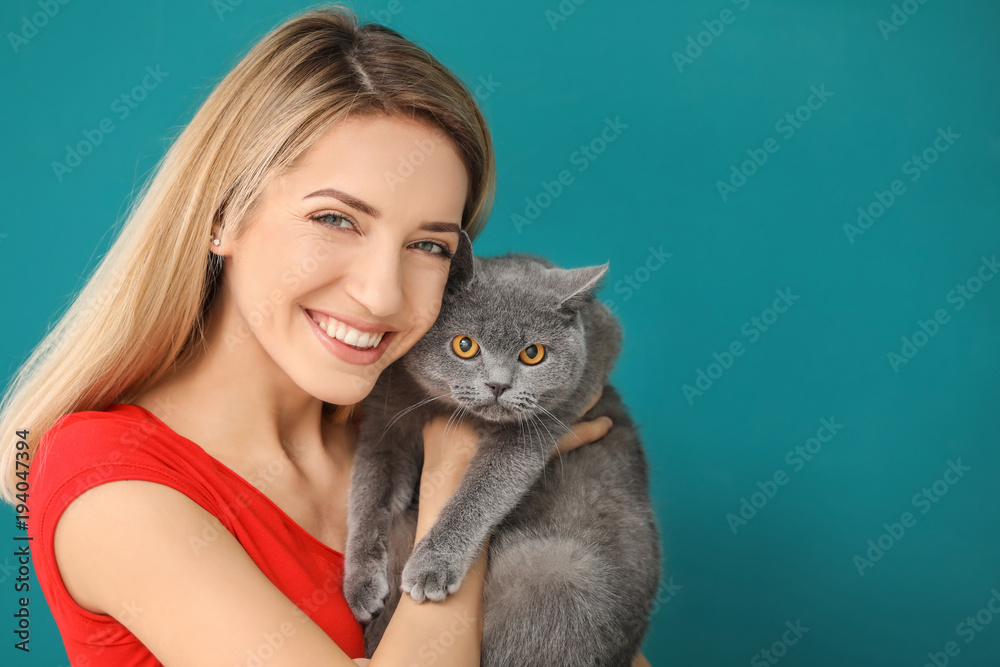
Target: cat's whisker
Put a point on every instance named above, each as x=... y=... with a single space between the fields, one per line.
x=454 y=417
x=562 y=464
x=552 y=439
x=541 y=443
x=522 y=420
x=399 y=415
x=560 y=422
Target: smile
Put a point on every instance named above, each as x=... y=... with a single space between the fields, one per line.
x=348 y=335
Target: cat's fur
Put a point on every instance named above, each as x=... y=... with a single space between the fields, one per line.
x=574 y=557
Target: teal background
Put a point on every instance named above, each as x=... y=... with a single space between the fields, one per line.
x=727 y=594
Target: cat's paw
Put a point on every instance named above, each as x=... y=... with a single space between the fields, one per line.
x=431 y=575
x=366 y=587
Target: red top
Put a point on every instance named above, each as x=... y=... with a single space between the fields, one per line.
x=84 y=449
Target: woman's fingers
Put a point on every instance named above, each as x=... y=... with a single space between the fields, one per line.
x=582 y=433
x=594 y=400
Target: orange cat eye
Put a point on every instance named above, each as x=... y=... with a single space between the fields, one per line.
x=532 y=354
x=465 y=346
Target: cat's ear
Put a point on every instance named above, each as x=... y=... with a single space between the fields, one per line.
x=460 y=273
x=580 y=285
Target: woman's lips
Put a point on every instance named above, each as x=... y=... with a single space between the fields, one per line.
x=349 y=353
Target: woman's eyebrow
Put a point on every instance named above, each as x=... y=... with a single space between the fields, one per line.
x=348 y=199
x=368 y=209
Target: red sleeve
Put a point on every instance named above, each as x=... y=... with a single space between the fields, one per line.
x=81 y=451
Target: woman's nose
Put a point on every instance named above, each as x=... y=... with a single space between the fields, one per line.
x=376 y=281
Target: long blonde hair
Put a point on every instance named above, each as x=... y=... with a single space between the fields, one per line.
x=142 y=312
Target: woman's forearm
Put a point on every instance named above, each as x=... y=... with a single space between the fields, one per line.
x=442 y=633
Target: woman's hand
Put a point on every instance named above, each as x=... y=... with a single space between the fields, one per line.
x=583 y=433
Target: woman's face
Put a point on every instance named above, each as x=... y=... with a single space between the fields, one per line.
x=344 y=264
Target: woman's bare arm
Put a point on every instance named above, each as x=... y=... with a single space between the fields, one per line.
x=418 y=629
x=125 y=549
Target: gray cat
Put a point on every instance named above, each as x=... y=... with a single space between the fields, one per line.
x=519 y=349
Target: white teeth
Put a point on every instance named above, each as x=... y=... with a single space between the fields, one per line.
x=349 y=335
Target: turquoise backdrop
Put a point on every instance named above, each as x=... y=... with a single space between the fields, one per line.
x=799 y=200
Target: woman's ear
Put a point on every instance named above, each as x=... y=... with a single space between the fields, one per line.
x=461 y=271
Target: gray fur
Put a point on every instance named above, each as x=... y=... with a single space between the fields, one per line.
x=574 y=558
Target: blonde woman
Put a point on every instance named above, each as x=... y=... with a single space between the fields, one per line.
x=198 y=400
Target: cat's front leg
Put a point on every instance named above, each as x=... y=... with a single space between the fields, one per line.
x=498 y=476
x=380 y=484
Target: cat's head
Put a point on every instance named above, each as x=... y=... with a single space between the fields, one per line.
x=509 y=339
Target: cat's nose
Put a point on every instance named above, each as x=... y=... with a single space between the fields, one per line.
x=498 y=388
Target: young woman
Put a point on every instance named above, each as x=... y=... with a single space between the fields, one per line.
x=198 y=400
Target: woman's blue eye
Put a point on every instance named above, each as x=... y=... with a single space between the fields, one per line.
x=326 y=218
x=431 y=247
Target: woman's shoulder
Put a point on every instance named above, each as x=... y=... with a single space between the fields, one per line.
x=84 y=449
x=110 y=434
